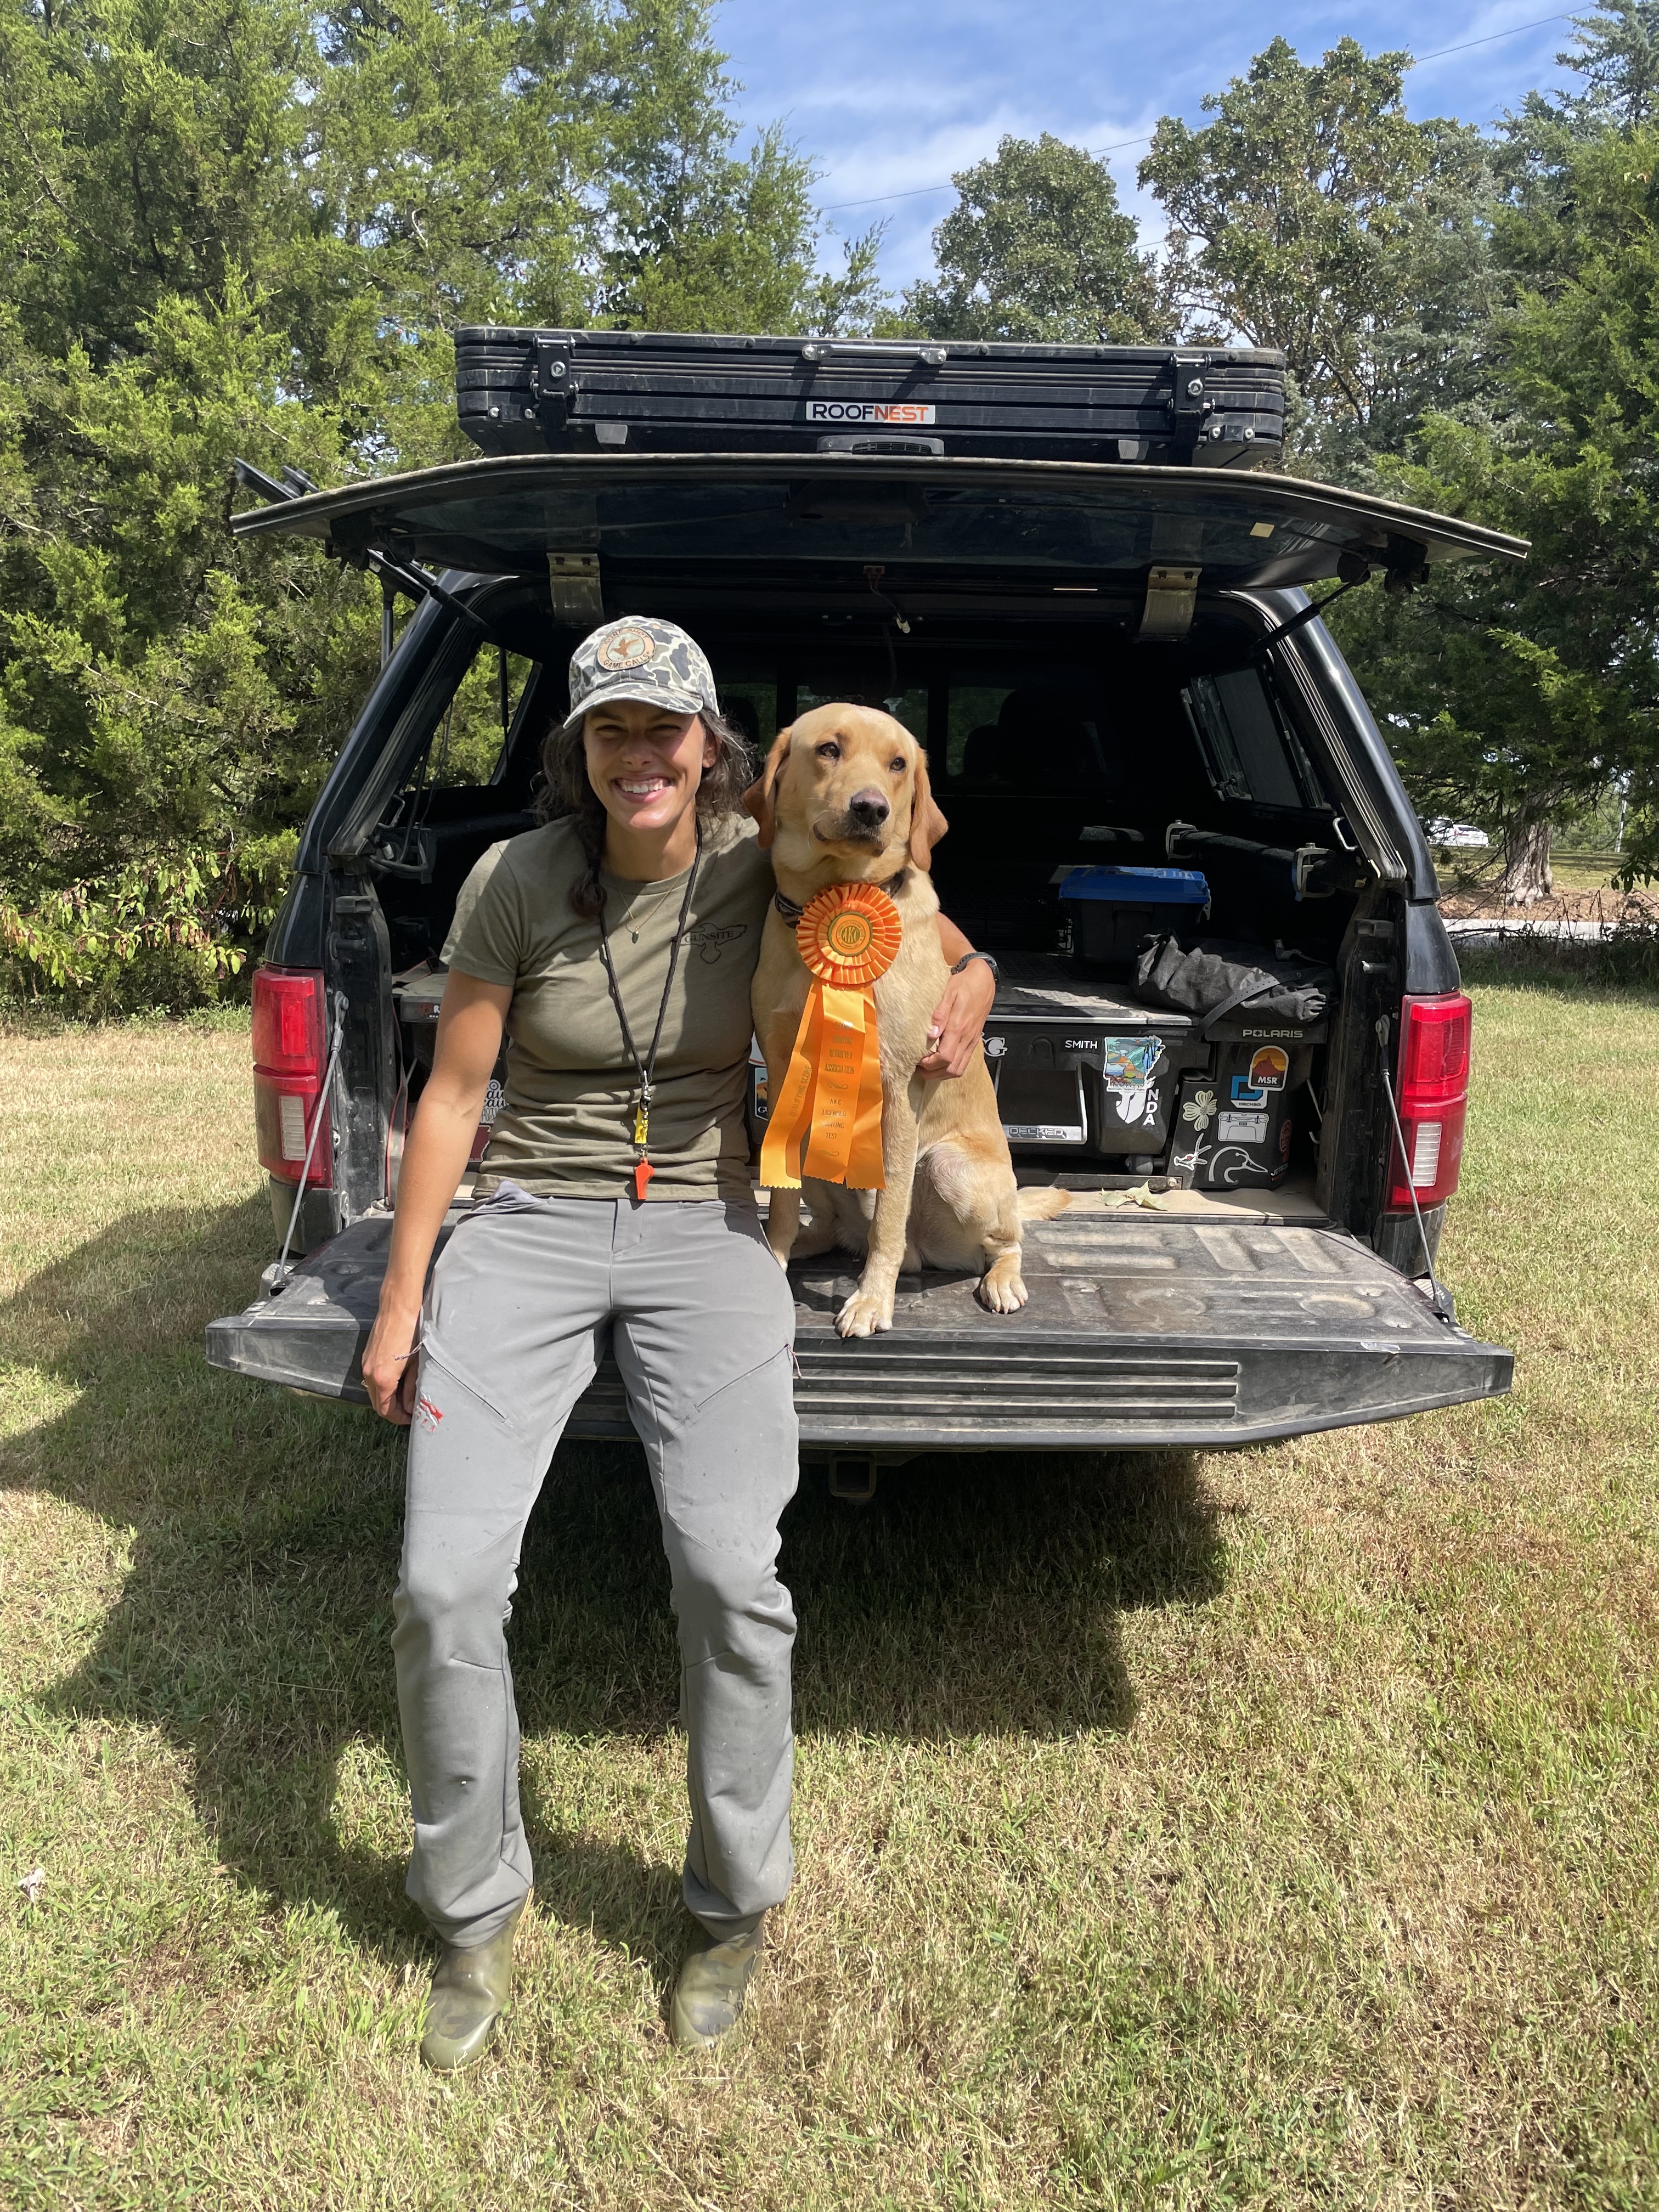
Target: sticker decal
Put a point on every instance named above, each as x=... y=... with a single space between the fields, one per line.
x=1126 y=1066
x=1284 y=1140
x=1242 y=1128
x=1129 y=1061
x=1244 y=1095
x=905 y=412
x=1269 y=1067
x=427 y=1413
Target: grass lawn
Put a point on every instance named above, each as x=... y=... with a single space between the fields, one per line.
x=1269 y=1828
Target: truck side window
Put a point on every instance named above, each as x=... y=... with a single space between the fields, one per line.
x=1245 y=748
x=468 y=746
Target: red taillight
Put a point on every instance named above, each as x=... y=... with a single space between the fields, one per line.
x=288 y=1054
x=1434 y=1100
x=288 y=1021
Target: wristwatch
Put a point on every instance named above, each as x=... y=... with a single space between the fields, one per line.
x=996 y=973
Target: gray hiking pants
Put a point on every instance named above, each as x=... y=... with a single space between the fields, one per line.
x=523 y=1304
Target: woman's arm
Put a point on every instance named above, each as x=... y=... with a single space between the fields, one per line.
x=959 y=1018
x=469 y=1040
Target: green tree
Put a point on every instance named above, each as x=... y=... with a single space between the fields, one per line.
x=1313 y=215
x=1523 y=696
x=1037 y=248
x=237 y=227
x=1616 y=52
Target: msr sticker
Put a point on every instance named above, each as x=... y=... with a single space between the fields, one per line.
x=1269 y=1068
x=907 y=413
x=427 y=1413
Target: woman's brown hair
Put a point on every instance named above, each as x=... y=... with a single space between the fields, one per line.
x=567 y=791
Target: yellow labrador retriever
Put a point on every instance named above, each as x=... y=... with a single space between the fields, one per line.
x=845 y=799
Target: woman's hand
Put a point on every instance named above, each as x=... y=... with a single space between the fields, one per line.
x=956 y=1032
x=389 y=1363
x=469 y=1037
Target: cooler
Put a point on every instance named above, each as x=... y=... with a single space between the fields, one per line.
x=1111 y=909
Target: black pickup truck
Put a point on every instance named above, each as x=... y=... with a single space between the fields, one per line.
x=1069 y=572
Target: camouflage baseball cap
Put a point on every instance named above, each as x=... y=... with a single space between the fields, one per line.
x=642 y=658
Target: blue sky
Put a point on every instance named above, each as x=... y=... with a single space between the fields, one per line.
x=888 y=95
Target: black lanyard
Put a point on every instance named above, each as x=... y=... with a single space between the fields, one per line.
x=645 y=1070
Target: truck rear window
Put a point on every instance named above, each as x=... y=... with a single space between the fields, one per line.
x=1247 y=752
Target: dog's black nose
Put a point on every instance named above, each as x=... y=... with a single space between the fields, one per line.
x=868 y=808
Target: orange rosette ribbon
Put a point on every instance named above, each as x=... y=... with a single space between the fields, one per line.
x=829 y=1100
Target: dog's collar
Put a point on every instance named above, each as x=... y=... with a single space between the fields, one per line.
x=792 y=912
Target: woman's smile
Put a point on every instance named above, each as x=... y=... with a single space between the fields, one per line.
x=646 y=765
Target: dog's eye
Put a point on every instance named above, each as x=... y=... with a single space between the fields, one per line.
x=896 y=766
x=829 y=751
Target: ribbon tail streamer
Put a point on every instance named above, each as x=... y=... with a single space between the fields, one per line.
x=792 y=1108
x=866 y=1169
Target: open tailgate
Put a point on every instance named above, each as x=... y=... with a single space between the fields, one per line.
x=1144 y=1329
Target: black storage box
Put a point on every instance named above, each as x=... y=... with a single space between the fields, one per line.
x=1084 y=1070
x=1234 y=1128
x=533 y=391
x=1112 y=909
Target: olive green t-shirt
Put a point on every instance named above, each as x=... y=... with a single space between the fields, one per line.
x=567 y=1127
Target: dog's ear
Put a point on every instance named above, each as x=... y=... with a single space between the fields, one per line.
x=761 y=799
x=928 y=825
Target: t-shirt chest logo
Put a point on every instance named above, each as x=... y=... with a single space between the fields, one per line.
x=710 y=941
x=626 y=648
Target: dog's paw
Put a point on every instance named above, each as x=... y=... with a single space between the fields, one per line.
x=1003 y=1289
x=864 y=1314
x=782 y=1258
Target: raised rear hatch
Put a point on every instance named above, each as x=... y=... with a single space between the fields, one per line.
x=1114 y=525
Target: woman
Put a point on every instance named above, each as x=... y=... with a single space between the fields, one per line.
x=616 y=945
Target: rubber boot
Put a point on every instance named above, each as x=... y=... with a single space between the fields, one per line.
x=470 y=1990
x=713 y=1984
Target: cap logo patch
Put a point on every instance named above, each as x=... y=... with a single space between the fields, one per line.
x=626 y=648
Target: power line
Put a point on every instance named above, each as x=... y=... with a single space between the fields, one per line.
x=1098 y=153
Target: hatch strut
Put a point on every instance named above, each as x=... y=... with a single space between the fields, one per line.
x=406 y=576
x=1401 y=573
x=1314 y=607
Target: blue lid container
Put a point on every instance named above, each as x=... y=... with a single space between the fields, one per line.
x=1112 y=909
x=1137 y=886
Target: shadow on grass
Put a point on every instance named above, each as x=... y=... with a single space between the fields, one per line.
x=977 y=1594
